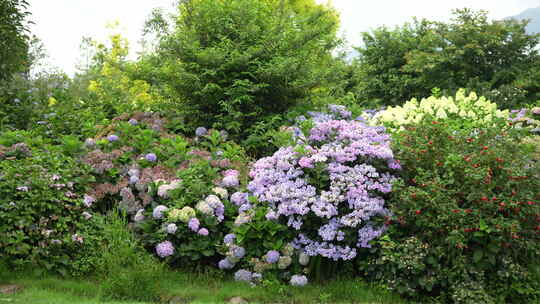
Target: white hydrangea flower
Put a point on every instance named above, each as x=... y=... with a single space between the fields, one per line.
x=222 y=192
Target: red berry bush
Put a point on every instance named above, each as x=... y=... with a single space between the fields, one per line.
x=466 y=219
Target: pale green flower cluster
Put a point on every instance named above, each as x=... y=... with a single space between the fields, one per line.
x=183 y=215
x=472 y=108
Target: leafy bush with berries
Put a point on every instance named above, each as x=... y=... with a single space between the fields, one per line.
x=468 y=201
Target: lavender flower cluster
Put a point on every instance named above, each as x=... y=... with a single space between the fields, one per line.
x=348 y=154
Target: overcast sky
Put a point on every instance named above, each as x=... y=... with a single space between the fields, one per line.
x=61 y=24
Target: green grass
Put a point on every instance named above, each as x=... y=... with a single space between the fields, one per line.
x=200 y=288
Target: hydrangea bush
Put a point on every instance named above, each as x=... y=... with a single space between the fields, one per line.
x=42 y=214
x=330 y=188
x=176 y=191
x=325 y=195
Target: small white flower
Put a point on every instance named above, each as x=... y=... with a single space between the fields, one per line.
x=222 y=192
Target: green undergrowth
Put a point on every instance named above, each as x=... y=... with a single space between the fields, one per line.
x=197 y=288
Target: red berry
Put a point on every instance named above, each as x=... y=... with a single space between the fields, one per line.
x=418 y=212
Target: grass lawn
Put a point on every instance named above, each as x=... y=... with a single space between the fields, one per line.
x=195 y=288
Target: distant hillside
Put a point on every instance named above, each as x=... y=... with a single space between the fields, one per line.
x=534 y=15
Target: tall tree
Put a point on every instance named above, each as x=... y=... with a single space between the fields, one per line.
x=14 y=38
x=231 y=63
x=470 y=51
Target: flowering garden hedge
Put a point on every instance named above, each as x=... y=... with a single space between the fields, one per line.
x=435 y=198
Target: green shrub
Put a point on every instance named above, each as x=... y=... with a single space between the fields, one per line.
x=125 y=270
x=465 y=214
x=41 y=206
x=232 y=64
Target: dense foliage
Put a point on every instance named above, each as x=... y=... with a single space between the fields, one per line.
x=242 y=143
x=14 y=38
x=232 y=64
x=471 y=51
x=41 y=205
x=465 y=211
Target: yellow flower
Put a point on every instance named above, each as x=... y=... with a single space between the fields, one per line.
x=52 y=101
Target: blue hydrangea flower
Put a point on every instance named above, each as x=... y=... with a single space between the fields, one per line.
x=298 y=280
x=112 y=138
x=225 y=264
x=238 y=252
x=133 y=179
x=151 y=157
x=158 y=211
x=201 y=131
x=133 y=122
x=242 y=275
x=229 y=238
x=272 y=256
x=239 y=198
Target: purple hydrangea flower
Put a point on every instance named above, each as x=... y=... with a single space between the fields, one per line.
x=272 y=256
x=171 y=228
x=229 y=238
x=231 y=172
x=158 y=211
x=112 y=138
x=230 y=181
x=194 y=224
x=151 y=157
x=133 y=179
x=165 y=249
x=244 y=207
x=271 y=215
x=243 y=275
x=203 y=231
x=239 y=198
x=298 y=280
x=225 y=264
x=133 y=122
x=88 y=200
x=201 y=131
